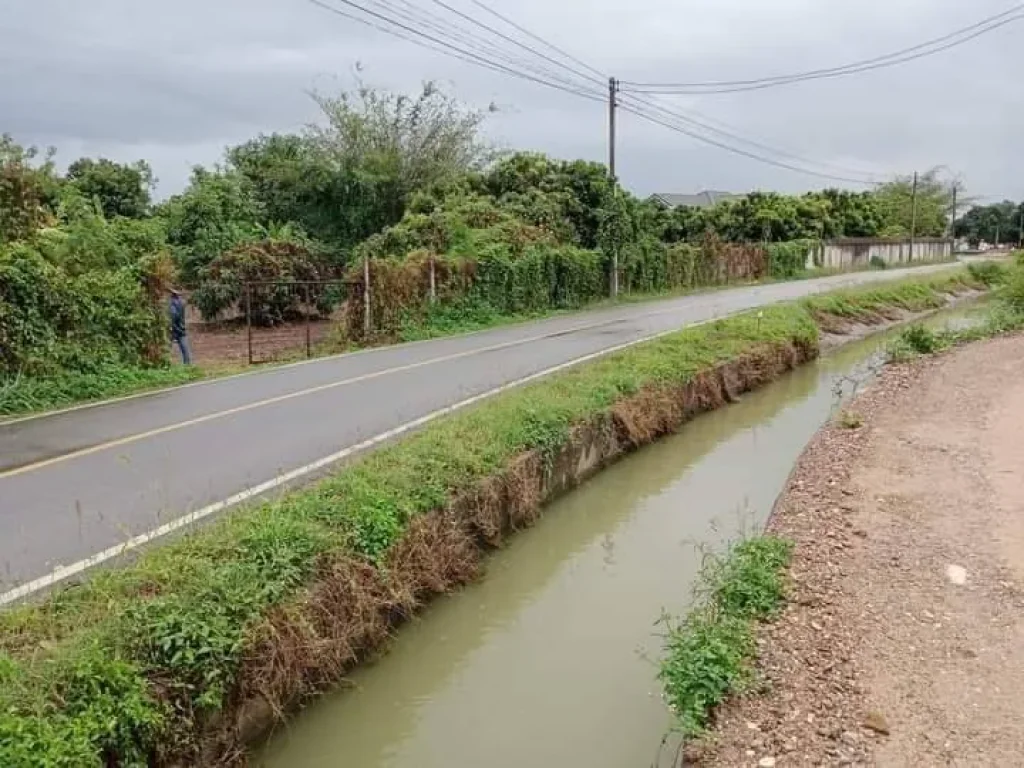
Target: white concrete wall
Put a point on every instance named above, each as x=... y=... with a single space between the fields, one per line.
x=858 y=254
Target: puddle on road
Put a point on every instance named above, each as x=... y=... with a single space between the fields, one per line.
x=548 y=660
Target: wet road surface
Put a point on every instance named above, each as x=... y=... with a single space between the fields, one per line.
x=80 y=483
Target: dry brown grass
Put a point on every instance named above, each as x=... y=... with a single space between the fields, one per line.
x=351 y=608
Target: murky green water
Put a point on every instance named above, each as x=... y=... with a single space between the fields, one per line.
x=547 y=661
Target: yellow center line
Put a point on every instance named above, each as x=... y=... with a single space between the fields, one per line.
x=129 y=439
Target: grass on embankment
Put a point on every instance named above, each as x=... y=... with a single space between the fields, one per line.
x=449 y=320
x=26 y=394
x=708 y=653
x=273 y=603
x=1005 y=314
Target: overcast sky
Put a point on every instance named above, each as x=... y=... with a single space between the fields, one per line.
x=176 y=82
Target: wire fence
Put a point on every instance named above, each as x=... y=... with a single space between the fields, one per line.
x=290 y=318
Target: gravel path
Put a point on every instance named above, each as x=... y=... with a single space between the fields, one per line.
x=904 y=641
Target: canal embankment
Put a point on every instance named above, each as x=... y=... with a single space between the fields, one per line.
x=189 y=654
x=899 y=642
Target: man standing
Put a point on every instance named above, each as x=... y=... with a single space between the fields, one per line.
x=179 y=333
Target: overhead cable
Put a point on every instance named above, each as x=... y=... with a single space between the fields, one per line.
x=704 y=123
x=446 y=47
x=641 y=113
x=452 y=32
x=921 y=50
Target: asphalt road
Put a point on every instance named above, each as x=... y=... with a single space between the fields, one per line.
x=83 y=482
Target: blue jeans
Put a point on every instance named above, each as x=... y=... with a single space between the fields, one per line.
x=186 y=355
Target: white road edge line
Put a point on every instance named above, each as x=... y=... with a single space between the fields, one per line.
x=66 y=572
x=404 y=345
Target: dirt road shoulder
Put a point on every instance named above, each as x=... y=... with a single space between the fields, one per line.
x=903 y=642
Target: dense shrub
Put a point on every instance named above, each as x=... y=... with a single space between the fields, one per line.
x=52 y=321
x=988 y=272
x=788 y=260
x=270 y=267
x=1012 y=292
x=499 y=283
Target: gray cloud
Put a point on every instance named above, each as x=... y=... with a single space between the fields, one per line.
x=177 y=82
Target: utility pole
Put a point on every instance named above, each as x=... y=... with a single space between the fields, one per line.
x=613 y=103
x=952 y=219
x=913 y=218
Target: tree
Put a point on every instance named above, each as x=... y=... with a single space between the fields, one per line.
x=934 y=203
x=381 y=148
x=27 y=191
x=292 y=182
x=566 y=198
x=122 y=190
x=998 y=223
x=214 y=214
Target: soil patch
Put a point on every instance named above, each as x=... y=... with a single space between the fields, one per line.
x=903 y=644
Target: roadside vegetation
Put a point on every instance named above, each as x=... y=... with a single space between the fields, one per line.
x=29 y=394
x=140 y=664
x=1004 y=314
x=708 y=654
x=454 y=236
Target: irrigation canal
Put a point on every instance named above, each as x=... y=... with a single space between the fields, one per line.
x=550 y=659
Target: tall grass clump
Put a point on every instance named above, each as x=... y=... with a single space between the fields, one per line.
x=990 y=273
x=29 y=394
x=708 y=653
x=275 y=601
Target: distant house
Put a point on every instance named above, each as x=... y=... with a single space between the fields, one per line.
x=705 y=199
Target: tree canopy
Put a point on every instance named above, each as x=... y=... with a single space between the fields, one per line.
x=121 y=190
x=998 y=223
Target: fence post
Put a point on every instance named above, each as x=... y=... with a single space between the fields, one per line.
x=366 y=297
x=309 y=339
x=248 y=319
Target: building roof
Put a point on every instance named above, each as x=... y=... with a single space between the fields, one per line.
x=703 y=199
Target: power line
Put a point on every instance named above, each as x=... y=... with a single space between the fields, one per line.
x=905 y=55
x=445 y=28
x=704 y=124
x=518 y=43
x=539 y=39
x=464 y=51
x=641 y=103
x=926 y=44
x=737 y=150
x=446 y=47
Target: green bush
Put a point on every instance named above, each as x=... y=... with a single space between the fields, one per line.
x=708 y=653
x=52 y=321
x=1012 y=292
x=920 y=339
x=989 y=273
x=877 y=262
x=788 y=260
x=271 y=267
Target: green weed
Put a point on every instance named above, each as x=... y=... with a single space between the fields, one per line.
x=708 y=653
x=29 y=394
x=989 y=273
x=179 y=618
x=851 y=420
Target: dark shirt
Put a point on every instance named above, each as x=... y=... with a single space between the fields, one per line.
x=177 y=318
